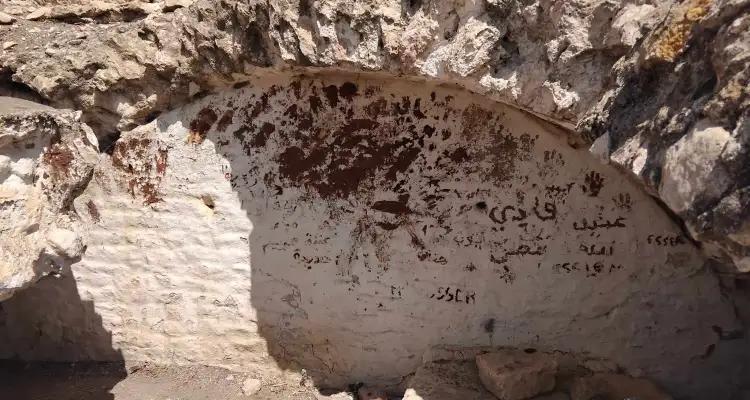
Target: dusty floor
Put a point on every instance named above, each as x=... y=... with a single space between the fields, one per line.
x=111 y=381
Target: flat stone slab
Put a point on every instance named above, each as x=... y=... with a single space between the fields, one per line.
x=447 y=380
x=516 y=374
x=14 y=105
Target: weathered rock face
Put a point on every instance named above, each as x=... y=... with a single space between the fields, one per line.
x=548 y=57
x=679 y=119
x=644 y=77
x=46 y=159
x=289 y=167
x=346 y=225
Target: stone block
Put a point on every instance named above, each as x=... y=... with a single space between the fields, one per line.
x=515 y=374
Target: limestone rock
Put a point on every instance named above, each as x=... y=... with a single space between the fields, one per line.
x=534 y=56
x=677 y=118
x=46 y=158
x=6 y=19
x=251 y=386
x=39 y=13
x=447 y=380
x=171 y=5
x=614 y=386
x=515 y=374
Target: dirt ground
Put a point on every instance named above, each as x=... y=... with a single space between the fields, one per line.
x=112 y=381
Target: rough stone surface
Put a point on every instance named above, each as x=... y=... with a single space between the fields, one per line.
x=608 y=66
x=447 y=380
x=46 y=159
x=516 y=374
x=547 y=57
x=678 y=118
x=614 y=386
x=265 y=173
x=6 y=19
x=343 y=226
x=251 y=386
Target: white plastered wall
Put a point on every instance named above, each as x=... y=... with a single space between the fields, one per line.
x=373 y=221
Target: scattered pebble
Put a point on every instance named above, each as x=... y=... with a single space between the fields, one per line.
x=6 y=19
x=251 y=386
x=38 y=13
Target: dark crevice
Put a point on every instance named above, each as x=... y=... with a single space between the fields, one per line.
x=11 y=88
x=676 y=219
x=123 y=13
x=107 y=143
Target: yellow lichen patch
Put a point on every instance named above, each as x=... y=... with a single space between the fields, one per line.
x=672 y=40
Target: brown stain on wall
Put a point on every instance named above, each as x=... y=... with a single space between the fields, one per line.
x=261 y=136
x=376 y=141
x=335 y=166
x=348 y=90
x=93 y=211
x=392 y=207
x=200 y=126
x=141 y=164
x=506 y=150
x=161 y=161
x=225 y=121
x=59 y=158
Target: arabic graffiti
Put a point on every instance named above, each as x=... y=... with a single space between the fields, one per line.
x=517 y=213
x=584 y=224
x=523 y=250
x=596 y=250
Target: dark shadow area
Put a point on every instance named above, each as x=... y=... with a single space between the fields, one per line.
x=59 y=381
x=47 y=334
x=11 y=88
